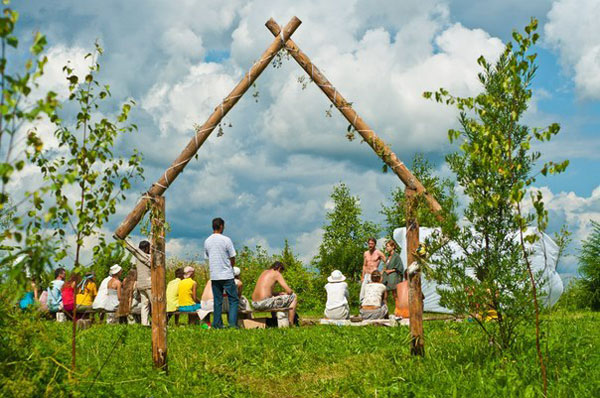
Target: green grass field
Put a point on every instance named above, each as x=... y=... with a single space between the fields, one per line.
x=323 y=361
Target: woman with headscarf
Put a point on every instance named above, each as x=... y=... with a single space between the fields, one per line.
x=87 y=292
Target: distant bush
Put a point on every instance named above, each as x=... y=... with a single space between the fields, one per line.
x=589 y=267
x=308 y=285
x=574 y=297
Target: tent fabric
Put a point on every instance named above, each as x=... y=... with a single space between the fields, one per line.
x=544 y=259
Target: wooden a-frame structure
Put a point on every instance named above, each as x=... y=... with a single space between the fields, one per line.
x=153 y=198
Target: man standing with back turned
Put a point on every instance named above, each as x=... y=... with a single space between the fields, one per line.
x=219 y=251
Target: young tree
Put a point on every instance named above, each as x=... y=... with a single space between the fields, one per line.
x=345 y=235
x=22 y=107
x=441 y=188
x=589 y=267
x=88 y=179
x=492 y=276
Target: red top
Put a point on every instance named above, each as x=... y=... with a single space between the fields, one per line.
x=68 y=297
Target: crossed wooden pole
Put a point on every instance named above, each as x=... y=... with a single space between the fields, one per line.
x=413 y=185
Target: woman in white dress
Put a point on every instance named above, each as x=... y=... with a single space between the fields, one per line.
x=109 y=294
x=337 y=297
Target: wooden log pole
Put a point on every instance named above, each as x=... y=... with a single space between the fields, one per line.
x=158 y=279
x=381 y=149
x=202 y=132
x=415 y=295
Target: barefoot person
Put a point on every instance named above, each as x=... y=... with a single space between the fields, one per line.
x=220 y=253
x=371 y=259
x=263 y=298
x=374 y=306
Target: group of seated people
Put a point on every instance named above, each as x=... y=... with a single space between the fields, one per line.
x=182 y=294
x=375 y=287
x=80 y=295
x=372 y=306
x=121 y=299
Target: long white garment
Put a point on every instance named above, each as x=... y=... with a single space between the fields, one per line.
x=112 y=300
x=102 y=296
x=337 y=294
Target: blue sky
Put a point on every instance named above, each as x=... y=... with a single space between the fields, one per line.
x=271 y=173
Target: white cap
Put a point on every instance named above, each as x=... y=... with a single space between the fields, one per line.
x=236 y=271
x=115 y=269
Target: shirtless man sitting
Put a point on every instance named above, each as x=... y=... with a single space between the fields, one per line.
x=263 y=298
x=371 y=259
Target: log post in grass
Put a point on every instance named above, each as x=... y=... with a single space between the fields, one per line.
x=415 y=295
x=158 y=278
x=202 y=132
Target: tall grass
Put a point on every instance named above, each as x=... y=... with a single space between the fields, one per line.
x=301 y=362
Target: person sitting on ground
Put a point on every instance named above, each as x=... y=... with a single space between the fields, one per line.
x=373 y=305
x=263 y=298
x=113 y=293
x=55 y=304
x=188 y=302
x=173 y=295
x=68 y=293
x=337 y=297
x=30 y=297
x=87 y=292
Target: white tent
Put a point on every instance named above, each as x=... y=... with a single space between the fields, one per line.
x=544 y=258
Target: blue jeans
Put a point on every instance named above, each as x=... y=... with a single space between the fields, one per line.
x=229 y=286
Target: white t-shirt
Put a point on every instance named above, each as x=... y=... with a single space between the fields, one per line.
x=337 y=294
x=373 y=294
x=218 y=248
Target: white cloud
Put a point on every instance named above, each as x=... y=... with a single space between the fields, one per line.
x=54 y=78
x=307 y=244
x=271 y=174
x=574 y=31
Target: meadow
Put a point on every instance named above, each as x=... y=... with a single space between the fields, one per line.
x=324 y=361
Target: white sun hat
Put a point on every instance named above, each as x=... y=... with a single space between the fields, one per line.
x=336 y=276
x=115 y=269
x=188 y=271
x=237 y=271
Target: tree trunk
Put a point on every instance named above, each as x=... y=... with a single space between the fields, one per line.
x=202 y=132
x=415 y=295
x=158 y=277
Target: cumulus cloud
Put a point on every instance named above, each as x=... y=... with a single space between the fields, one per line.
x=576 y=213
x=573 y=30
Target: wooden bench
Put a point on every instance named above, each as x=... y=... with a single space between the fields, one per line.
x=257 y=322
